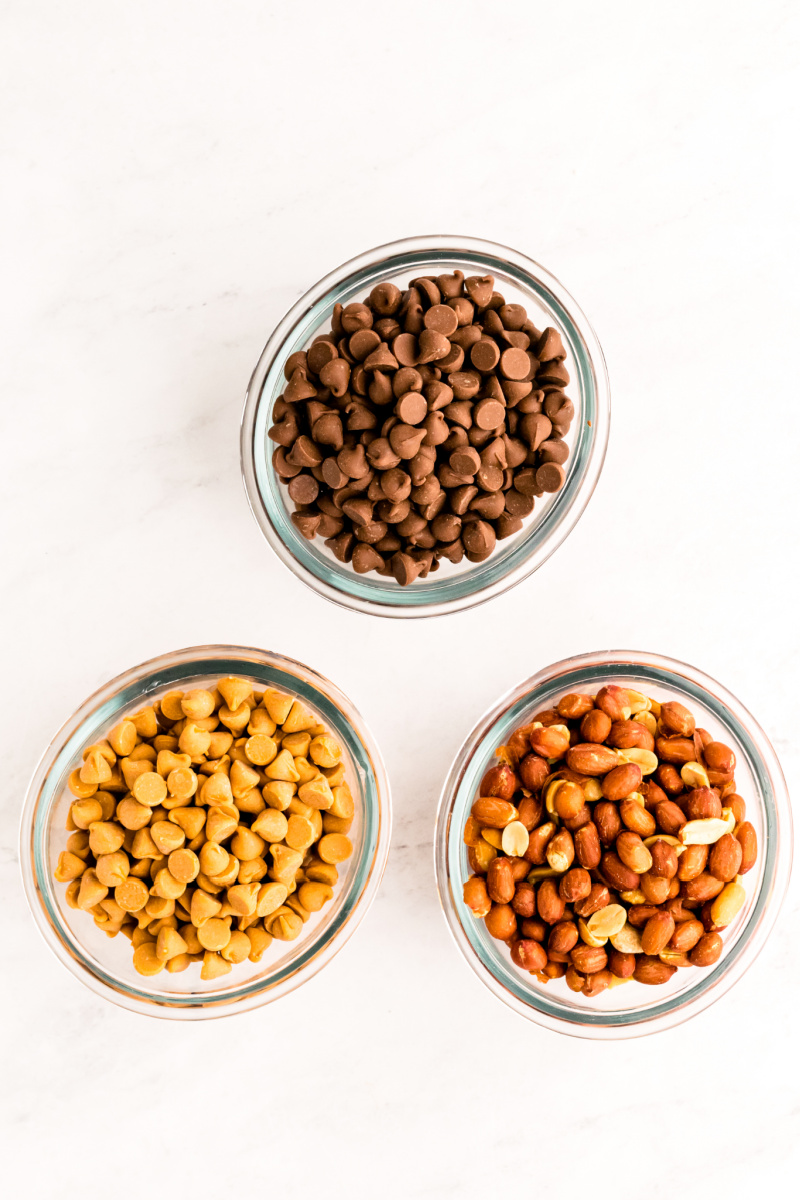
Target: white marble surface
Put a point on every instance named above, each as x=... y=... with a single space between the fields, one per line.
x=176 y=175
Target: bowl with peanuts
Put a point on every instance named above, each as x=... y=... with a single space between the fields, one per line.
x=205 y=832
x=613 y=844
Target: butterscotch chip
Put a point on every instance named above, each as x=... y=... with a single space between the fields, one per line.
x=149 y=789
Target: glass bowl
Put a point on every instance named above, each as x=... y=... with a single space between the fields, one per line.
x=521 y=281
x=633 y=1009
x=104 y=964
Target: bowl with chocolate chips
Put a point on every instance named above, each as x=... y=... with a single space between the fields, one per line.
x=425 y=426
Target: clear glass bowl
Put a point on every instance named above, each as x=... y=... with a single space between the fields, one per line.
x=521 y=281
x=633 y=1009
x=104 y=964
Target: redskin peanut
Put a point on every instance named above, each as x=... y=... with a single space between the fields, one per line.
x=627 y=807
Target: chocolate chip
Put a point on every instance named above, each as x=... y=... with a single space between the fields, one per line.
x=550 y=476
x=436 y=429
x=299 y=387
x=532 y=403
x=442 y=319
x=432 y=510
x=516 y=451
x=380 y=390
x=359 y=510
x=296 y=362
x=489 y=478
x=525 y=482
x=554 y=450
x=507 y=525
x=518 y=504
x=335 y=375
x=396 y=484
x=366 y=558
x=438 y=395
x=412 y=408
x=461 y=498
x=385 y=298
x=387 y=328
x=421 y=465
x=304 y=453
x=446 y=527
x=465 y=460
x=285 y=432
x=466 y=337
x=428 y=290
x=465 y=384
x=489 y=505
x=480 y=289
x=306 y=523
x=381 y=358
x=454 y=551
x=513 y=316
x=450 y=285
x=393 y=514
x=333 y=474
x=405 y=440
x=353 y=461
x=405 y=568
x=553 y=373
x=360 y=417
x=452 y=361
x=404 y=348
x=362 y=344
x=432 y=346
x=372 y=532
x=356 y=316
x=535 y=429
x=303 y=489
x=319 y=354
x=514 y=363
x=342 y=546
x=427 y=491
x=479 y=540
x=381 y=455
x=329 y=527
x=459 y=413
x=488 y=414
x=485 y=354
x=285 y=469
x=550 y=346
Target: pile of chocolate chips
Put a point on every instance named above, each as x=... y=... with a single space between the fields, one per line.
x=423 y=426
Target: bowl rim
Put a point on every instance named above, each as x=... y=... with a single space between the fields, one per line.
x=543 y=538
x=369 y=874
x=767 y=900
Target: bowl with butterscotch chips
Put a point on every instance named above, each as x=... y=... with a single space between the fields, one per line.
x=425 y=426
x=205 y=832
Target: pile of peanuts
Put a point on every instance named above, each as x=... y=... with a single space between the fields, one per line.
x=609 y=842
x=207 y=824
